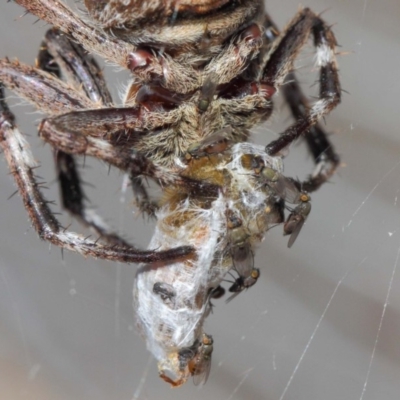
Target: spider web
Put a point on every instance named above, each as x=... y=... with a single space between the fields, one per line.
x=323 y=320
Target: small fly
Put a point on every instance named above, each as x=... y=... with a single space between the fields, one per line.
x=200 y=365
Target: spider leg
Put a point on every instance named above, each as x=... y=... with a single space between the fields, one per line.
x=279 y=63
x=124 y=158
x=73 y=108
x=65 y=137
x=87 y=129
x=240 y=51
x=317 y=140
x=91 y=38
x=73 y=197
x=47 y=93
x=68 y=60
x=21 y=165
x=108 y=123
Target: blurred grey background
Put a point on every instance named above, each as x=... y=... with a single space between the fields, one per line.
x=323 y=322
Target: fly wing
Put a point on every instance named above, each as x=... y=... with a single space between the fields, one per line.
x=242 y=259
x=202 y=361
x=296 y=221
x=202 y=371
x=217 y=142
x=208 y=91
x=224 y=134
x=295 y=230
x=286 y=189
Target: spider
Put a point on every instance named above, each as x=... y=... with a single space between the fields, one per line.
x=203 y=74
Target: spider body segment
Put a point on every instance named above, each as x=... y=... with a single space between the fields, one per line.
x=203 y=74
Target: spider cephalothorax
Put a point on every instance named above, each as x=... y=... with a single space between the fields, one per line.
x=203 y=74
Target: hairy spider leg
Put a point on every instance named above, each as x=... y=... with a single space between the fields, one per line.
x=85 y=129
x=321 y=148
x=280 y=62
x=66 y=59
x=21 y=164
x=92 y=39
x=63 y=58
